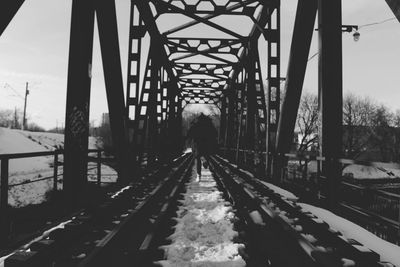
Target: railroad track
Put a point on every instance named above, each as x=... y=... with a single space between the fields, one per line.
x=203 y=229
x=111 y=233
x=276 y=227
x=134 y=225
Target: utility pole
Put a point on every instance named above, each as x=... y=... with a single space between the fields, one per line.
x=26 y=97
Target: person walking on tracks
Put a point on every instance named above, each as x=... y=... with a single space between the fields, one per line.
x=204 y=141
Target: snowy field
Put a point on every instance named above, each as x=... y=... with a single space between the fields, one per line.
x=30 y=169
x=360 y=171
x=204 y=231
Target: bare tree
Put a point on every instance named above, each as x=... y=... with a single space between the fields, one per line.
x=10 y=118
x=396 y=136
x=307 y=122
x=366 y=127
x=358 y=118
x=382 y=134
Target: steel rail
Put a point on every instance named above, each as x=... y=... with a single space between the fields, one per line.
x=75 y=244
x=294 y=225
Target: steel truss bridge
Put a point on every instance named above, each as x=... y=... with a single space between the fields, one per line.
x=201 y=52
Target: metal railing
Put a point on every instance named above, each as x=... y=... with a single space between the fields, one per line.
x=363 y=202
x=375 y=208
x=56 y=163
x=94 y=155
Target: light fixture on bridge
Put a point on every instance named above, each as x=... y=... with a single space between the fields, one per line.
x=356 y=36
x=349 y=29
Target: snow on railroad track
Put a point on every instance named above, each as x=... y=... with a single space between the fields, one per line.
x=204 y=231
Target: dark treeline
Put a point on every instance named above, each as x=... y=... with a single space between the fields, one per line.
x=12 y=118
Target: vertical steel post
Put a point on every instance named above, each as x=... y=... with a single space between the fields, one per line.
x=25 y=102
x=136 y=33
x=152 y=107
x=222 y=128
x=273 y=74
x=99 y=168
x=239 y=135
x=179 y=124
x=251 y=96
x=240 y=110
x=231 y=120
x=174 y=126
x=78 y=95
x=299 y=50
x=55 y=171
x=4 y=219
x=330 y=92
x=109 y=44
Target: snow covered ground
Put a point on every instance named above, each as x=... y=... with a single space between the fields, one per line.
x=361 y=171
x=44 y=235
x=284 y=193
x=204 y=231
x=31 y=169
x=388 y=251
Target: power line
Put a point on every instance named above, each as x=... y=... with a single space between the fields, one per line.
x=359 y=27
x=6 y=85
x=376 y=23
x=315 y=54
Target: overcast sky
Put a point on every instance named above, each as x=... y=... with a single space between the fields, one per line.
x=34 y=49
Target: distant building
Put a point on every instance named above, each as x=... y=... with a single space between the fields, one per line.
x=105 y=118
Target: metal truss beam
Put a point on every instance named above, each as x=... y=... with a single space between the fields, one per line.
x=192 y=51
x=108 y=34
x=78 y=95
x=395 y=7
x=173 y=128
x=156 y=38
x=330 y=92
x=197 y=19
x=137 y=31
x=299 y=50
x=241 y=110
x=152 y=108
x=230 y=95
x=223 y=123
x=251 y=95
x=273 y=73
x=8 y=9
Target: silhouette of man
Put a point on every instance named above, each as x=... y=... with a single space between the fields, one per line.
x=203 y=135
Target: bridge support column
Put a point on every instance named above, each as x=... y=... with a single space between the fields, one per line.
x=152 y=136
x=230 y=123
x=330 y=93
x=251 y=99
x=299 y=50
x=180 y=141
x=108 y=34
x=78 y=95
x=222 y=128
x=174 y=127
x=273 y=92
x=240 y=115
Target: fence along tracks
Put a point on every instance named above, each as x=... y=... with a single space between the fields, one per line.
x=110 y=234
